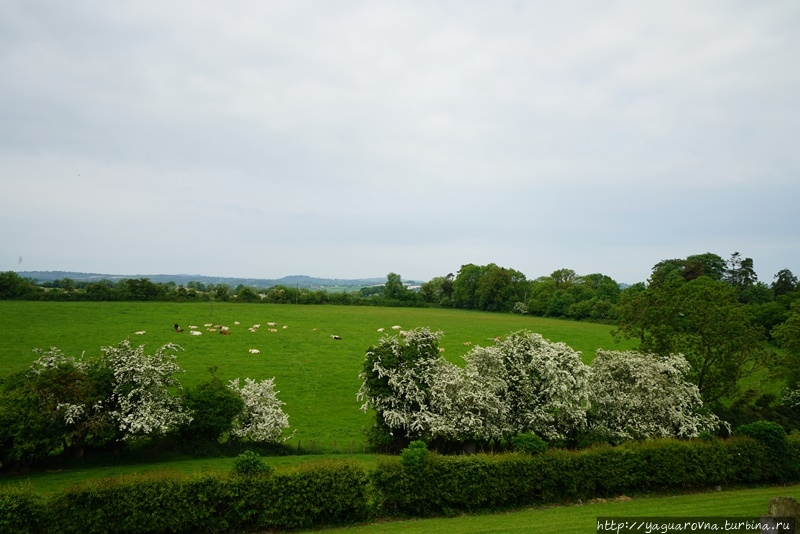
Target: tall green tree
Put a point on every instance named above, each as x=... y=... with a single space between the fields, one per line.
x=740 y=272
x=784 y=282
x=701 y=319
x=394 y=288
x=465 y=286
x=787 y=335
x=438 y=290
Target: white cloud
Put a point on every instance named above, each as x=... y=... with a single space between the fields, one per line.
x=321 y=136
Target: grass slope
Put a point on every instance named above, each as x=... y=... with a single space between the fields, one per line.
x=316 y=375
x=580 y=519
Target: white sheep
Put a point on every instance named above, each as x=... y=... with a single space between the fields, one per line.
x=254 y=351
x=396 y=327
x=140 y=333
x=380 y=329
x=196 y=333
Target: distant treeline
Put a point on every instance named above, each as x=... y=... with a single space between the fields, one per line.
x=563 y=294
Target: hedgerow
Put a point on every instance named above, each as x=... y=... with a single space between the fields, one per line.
x=419 y=483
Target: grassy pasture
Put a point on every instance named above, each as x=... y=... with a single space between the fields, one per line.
x=316 y=375
x=580 y=519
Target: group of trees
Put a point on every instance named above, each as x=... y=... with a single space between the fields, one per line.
x=524 y=384
x=729 y=325
x=563 y=293
x=67 y=405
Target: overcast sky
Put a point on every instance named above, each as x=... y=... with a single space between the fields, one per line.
x=353 y=139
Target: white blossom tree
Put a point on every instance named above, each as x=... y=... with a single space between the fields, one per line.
x=397 y=378
x=262 y=418
x=142 y=403
x=467 y=404
x=546 y=385
x=640 y=396
x=522 y=384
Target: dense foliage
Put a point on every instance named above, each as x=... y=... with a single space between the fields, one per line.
x=418 y=484
x=645 y=396
x=63 y=404
x=525 y=384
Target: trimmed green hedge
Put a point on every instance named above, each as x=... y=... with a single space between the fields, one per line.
x=418 y=484
x=456 y=484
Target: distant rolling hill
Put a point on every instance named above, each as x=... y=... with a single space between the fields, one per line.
x=307 y=282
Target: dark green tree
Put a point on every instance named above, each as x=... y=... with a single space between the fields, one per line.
x=740 y=272
x=394 y=288
x=213 y=405
x=785 y=282
x=787 y=335
x=465 y=286
x=13 y=286
x=701 y=319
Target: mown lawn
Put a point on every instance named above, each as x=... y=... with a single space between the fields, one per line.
x=582 y=518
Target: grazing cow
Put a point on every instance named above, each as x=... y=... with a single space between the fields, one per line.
x=177 y=328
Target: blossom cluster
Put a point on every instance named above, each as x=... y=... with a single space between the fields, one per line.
x=525 y=383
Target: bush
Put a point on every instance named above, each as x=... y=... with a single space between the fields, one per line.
x=21 y=511
x=529 y=443
x=250 y=464
x=213 y=406
x=773 y=436
x=415 y=456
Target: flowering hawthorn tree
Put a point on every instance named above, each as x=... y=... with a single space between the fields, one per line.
x=397 y=378
x=522 y=384
x=262 y=418
x=467 y=404
x=640 y=396
x=141 y=399
x=546 y=385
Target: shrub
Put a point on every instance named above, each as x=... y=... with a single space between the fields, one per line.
x=415 y=456
x=529 y=443
x=213 y=406
x=773 y=436
x=21 y=511
x=250 y=464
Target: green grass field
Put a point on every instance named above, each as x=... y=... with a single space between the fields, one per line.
x=582 y=519
x=318 y=379
x=317 y=376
